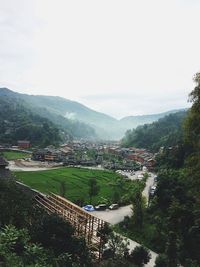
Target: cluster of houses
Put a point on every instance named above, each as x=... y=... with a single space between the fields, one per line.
x=92 y=154
x=86 y=153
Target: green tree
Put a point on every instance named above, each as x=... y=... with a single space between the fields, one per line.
x=17 y=250
x=140 y=256
x=57 y=235
x=117 y=246
x=138 y=209
x=161 y=261
x=172 y=250
x=15 y=204
x=192 y=124
x=93 y=188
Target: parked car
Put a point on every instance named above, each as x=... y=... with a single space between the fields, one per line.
x=101 y=207
x=89 y=208
x=114 y=207
x=155 y=179
x=152 y=190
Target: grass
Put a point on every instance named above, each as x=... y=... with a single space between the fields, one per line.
x=148 y=235
x=13 y=155
x=76 y=182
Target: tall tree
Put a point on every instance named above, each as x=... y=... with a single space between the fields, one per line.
x=192 y=124
x=138 y=209
x=93 y=188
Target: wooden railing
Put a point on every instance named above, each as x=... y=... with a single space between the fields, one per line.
x=86 y=225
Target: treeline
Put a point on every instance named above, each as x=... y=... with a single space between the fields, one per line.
x=171 y=223
x=18 y=123
x=21 y=121
x=165 y=132
x=31 y=237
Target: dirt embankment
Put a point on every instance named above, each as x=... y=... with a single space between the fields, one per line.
x=30 y=165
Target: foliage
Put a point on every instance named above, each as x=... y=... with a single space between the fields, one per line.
x=140 y=256
x=166 y=131
x=117 y=246
x=35 y=238
x=22 y=118
x=18 y=123
x=13 y=155
x=161 y=261
x=93 y=188
x=16 y=249
x=173 y=213
x=14 y=205
x=138 y=209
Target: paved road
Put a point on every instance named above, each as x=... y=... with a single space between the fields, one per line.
x=116 y=216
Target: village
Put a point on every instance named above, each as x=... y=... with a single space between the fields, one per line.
x=106 y=155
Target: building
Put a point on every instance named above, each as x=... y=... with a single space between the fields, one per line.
x=23 y=144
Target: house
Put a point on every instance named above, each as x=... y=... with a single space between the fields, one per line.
x=23 y=144
x=151 y=164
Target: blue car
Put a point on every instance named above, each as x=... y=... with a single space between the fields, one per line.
x=89 y=208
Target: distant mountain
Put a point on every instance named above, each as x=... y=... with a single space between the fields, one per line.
x=166 y=131
x=130 y=122
x=19 y=123
x=68 y=128
x=80 y=120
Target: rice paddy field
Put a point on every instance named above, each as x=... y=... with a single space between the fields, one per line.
x=75 y=182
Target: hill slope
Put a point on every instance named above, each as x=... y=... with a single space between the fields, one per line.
x=166 y=131
x=19 y=123
x=16 y=105
x=79 y=120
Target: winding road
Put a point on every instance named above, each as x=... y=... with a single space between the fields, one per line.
x=116 y=216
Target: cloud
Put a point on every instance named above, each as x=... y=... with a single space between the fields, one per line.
x=121 y=57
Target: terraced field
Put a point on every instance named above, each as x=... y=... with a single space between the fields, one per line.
x=75 y=183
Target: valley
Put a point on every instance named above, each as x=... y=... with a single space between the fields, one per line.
x=145 y=175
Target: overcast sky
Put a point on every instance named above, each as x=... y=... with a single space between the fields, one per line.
x=118 y=57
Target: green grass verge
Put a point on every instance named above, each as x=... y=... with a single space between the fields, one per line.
x=148 y=235
x=12 y=155
x=76 y=182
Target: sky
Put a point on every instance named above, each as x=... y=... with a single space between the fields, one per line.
x=120 y=57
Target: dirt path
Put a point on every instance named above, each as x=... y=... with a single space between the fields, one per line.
x=21 y=165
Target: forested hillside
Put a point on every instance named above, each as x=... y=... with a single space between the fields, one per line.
x=170 y=224
x=18 y=123
x=166 y=131
x=78 y=120
x=21 y=120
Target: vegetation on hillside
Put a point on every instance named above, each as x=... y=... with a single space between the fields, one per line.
x=166 y=131
x=77 y=120
x=30 y=237
x=18 y=123
x=21 y=119
x=171 y=224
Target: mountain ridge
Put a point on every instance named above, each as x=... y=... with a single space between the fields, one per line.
x=105 y=126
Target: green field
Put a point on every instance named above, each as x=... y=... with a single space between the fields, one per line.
x=76 y=182
x=12 y=155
